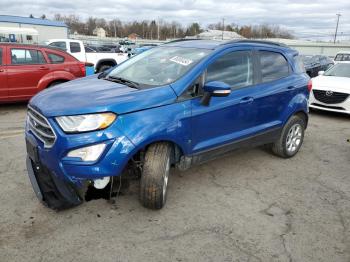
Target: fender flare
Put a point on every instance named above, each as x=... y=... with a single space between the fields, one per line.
x=46 y=80
x=299 y=104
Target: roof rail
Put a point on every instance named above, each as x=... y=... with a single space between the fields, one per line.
x=265 y=42
x=33 y=45
x=182 y=40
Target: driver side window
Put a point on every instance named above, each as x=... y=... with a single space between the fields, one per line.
x=234 y=69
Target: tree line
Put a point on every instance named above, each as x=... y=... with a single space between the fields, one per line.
x=162 y=30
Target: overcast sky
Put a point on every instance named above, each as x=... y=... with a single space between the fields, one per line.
x=304 y=17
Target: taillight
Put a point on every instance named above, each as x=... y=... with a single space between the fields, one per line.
x=82 y=68
x=309 y=85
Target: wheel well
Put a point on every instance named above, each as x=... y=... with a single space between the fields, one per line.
x=105 y=62
x=304 y=116
x=135 y=163
x=56 y=81
x=177 y=152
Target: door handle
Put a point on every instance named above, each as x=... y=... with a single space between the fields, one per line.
x=43 y=68
x=246 y=100
x=290 y=87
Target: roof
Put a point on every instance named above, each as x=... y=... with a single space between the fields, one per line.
x=31 y=45
x=30 y=21
x=18 y=31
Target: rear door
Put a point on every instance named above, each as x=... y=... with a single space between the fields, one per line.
x=3 y=75
x=25 y=69
x=275 y=89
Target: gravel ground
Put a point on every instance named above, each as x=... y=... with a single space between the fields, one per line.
x=248 y=206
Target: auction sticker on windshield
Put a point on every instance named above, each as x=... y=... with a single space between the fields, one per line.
x=181 y=60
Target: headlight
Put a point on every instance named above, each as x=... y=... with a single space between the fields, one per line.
x=89 y=153
x=83 y=123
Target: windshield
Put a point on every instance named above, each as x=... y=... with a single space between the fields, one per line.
x=340 y=70
x=159 y=66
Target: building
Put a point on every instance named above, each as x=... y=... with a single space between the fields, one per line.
x=99 y=32
x=31 y=30
x=134 y=36
x=218 y=35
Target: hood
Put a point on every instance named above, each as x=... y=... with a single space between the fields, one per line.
x=90 y=95
x=334 y=83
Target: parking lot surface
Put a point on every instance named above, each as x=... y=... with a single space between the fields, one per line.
x=247 y=206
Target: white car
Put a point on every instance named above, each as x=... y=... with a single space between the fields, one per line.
x=101 y=60
x=331 y=89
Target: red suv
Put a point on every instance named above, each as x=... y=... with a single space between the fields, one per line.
x=27 y=69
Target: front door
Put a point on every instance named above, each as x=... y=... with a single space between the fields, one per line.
x=27 y=66
x=226 y=119
x=3 y=76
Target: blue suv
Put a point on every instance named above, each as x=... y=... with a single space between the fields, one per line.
x=175 y=105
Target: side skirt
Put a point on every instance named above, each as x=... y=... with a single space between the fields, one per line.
x=248 y=142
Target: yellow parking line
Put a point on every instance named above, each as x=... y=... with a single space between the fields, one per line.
x=11 y=133
x=16 y=131
x=10 y=136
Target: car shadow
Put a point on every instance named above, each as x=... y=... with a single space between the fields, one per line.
x=336 y=115
x=12 y=107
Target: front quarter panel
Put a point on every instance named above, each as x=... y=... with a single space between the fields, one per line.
x=166 y=123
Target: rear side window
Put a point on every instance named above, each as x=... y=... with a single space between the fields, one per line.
x=273 y=66
x=342 y=57
x=61 y=45
x=74 y=47
x=55 y=59
x=26 y=56
x=235 y=69
x=0 y=56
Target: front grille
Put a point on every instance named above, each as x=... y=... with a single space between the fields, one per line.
x=40 y=127
x=329 y=97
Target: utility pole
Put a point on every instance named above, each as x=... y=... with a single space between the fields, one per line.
x=115 y=29
x=223 y=28
x=158 y=29
x=336 y=29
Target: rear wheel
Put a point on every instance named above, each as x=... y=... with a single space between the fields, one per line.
x=291 y=138
x=155 y=175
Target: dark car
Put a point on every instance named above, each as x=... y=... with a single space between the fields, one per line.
x=4 y=39
x=176 y=105
x=98 y=49
x=315 y=63
x=113 y=47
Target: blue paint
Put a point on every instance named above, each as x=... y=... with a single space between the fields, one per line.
x=161 y=113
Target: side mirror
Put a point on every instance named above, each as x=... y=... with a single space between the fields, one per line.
x=320 y=73
x=216 y=89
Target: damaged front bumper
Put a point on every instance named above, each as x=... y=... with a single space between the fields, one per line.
x=50 y=190
x=61 y=183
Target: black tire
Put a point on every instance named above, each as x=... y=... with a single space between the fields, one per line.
x=104 y=68
x=284 y=149
x=155 y=174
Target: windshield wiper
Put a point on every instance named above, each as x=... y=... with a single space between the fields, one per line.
x=123 y=81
